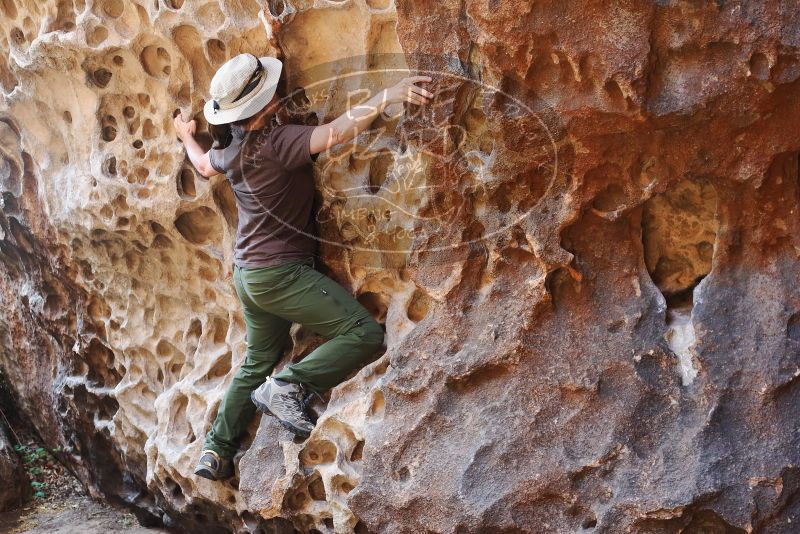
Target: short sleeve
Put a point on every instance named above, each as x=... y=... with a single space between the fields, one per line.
x=213 y=161
x=292 y=145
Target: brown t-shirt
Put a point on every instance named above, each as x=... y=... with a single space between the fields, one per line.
x=270 y=171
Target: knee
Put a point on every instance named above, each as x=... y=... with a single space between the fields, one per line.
x=371 y=333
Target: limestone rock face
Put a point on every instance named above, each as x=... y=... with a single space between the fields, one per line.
x=584 y=251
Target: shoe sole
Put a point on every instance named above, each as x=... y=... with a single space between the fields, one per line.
x=208 y=474
x=289 y=426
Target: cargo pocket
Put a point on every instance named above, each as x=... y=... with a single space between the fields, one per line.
x=340 y=299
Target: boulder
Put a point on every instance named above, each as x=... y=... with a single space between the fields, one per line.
x=584 y=251
x=15 y=486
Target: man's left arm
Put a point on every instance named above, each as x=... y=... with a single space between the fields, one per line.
x=355 y=120
x=201 y=160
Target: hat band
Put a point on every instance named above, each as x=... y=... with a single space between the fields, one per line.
x=255 y=80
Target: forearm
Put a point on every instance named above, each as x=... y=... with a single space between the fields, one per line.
x=194 y=151
x=356 y=119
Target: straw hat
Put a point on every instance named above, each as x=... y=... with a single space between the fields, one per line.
x=241 y=88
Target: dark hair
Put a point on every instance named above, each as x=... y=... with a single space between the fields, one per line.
x=222 y=134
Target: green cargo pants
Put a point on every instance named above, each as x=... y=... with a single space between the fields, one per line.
x=272 y=299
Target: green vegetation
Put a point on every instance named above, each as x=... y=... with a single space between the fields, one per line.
x=39 y=464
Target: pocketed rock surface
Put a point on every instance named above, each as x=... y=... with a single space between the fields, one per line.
x=584 y=252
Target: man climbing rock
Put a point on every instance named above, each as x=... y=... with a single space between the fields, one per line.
x=269 y=168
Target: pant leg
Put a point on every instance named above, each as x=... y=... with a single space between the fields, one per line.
x=267 y=335
x=317 y=302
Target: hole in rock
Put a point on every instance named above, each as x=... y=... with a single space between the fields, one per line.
x=17 y=37
x=164 y=348
x=226 y=203
x=156 y=62
x=379 y=169
x=376 y=303
x=786 y=68
x=174 y=4
x=358 y=451
x=98 y=310
x=220 y=368
x=216 y=51
x=317 y=489
x=403 y=474
x=178 y=425
x=106 y=409
x=611 y=198
x=110 y=166
x=9 y=8
x=118 y=60
x=186 y=187
x=378 y=404
x=64 y=19
x=113 y=8
x=418 y=306
x=679 y=229
x=361 y=528
x=759 y=66
x=220 y=326
x=67 y=117
x=319 y=452
x=276 y=7
x=96 y=35
x=589 y=523
x=299 y=499
x=161 y=242
x=129 y=112
x=101 y=77
x=21 y=235
x=199 y=225
x=138 y=144
x=109 y=133
x=614 y=92
x=176 y=492
x=149 y=130
x=100 y=361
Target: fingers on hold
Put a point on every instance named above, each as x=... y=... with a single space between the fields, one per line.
x=422 y=92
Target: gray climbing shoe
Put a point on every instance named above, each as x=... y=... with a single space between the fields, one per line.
x=213 y=467
x=284 y=400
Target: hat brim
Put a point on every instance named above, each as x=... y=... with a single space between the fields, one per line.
x=253 y=105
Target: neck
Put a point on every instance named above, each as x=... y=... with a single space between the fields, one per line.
x=258 y=122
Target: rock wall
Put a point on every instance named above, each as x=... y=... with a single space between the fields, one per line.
x=15 y=482
x=584 y=252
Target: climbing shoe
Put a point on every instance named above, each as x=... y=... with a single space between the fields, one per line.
x=213 y=467
x=285 y=401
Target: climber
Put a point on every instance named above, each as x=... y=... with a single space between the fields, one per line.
x=268 y=165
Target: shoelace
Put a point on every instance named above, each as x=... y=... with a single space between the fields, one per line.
x=294 y=404
x=308 y=394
